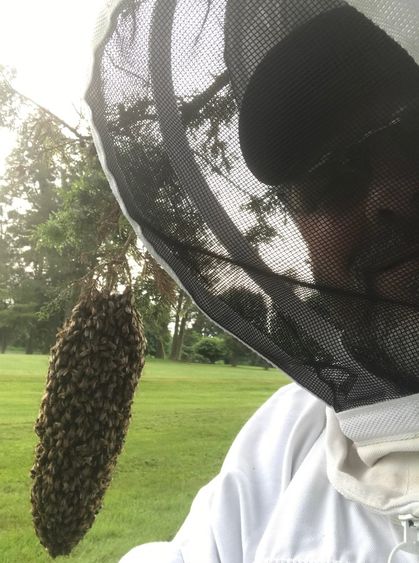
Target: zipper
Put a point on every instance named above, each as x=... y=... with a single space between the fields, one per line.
x=410 y=543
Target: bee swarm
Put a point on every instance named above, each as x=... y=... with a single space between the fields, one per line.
x=84 y=415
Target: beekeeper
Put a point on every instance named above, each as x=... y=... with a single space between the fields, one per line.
x=270 y=150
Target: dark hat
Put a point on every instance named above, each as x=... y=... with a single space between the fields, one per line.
x=328 y=84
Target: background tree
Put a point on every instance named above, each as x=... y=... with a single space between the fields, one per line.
x=211 y=348
x=199 y=326
x=62 y=230
x=155 y=294
x=252 y=307
x=183 y=310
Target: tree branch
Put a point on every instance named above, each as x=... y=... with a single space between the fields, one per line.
x=190 y=109
x=53 y=116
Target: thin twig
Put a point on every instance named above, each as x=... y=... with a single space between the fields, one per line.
x=45 y=110
x=127 y=70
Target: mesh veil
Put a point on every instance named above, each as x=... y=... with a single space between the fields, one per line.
x=268 y=154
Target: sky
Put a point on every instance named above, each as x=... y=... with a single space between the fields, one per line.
x=48 y=43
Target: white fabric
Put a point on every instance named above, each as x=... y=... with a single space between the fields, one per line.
x=386 y=420
x=273 y=503
x=382 y=476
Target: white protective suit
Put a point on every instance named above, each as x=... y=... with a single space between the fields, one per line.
x=273 y=501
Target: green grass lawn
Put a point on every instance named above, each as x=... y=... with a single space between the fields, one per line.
x=185 y=416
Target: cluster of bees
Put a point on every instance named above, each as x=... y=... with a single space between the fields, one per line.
x=94 y=369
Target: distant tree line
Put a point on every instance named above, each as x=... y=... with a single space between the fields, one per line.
x=61 y=231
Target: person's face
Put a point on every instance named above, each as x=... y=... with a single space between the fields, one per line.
x=369 y=241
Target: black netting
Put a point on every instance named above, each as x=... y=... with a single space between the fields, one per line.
x=269 y=152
